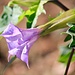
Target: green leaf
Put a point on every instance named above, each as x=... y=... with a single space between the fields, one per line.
x=27 y=3
x=33 y=13
x=72 y=44
x=35 y=9
x=59 y=22
x=71 y=32
x=30 y=14
x=16 y=12
x=72 y=29
x=21 y=17
x=9 y=15
x=50 y=18
x=67 y=38
x=65 y=52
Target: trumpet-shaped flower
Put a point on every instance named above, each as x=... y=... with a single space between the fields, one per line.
x=20 y=41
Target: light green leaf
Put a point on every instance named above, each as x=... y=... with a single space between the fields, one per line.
x=35 y=9
x=33 y=13
x=17 y=11
x=27 y=3
x=5 y=18
x=30 y=14
x=9 y=15
x=72 y=44
x=40 y=10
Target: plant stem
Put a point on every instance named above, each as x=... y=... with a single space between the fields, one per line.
x=8 y=64
x=69 y=61
x=59 y=4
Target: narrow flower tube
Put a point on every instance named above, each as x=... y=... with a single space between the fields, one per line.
x=20 y=41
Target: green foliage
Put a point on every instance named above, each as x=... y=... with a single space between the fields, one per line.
x=71 y=34
x=35 y=9
x=5 y=18
x=27 y=3
x=59 y=22
x=30 y=14
x=65 y=52
x=67 y=38
x=50 y=18
x=9 y=15
x=33 y=13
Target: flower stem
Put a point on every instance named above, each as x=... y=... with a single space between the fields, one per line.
x=69 y=61
x=8 y=64
x=59 y=4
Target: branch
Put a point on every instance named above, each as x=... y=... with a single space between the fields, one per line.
x=59 y=4
x=69 y=61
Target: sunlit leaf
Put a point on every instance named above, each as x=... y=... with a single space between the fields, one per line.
x=35 y=9
x=33 y=13
x=27 y=3
x=30 y=14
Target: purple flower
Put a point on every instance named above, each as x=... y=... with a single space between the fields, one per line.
x=19 y=41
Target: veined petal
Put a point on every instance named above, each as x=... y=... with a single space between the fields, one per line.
x=11 y=30
x=13 y=51
x=29 y=33
x=24 y=57
x=20 y=41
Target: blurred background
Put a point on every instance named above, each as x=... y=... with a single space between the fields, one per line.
x=44 y=54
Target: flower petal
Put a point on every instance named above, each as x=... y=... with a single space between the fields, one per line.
x=10 y=31
x=20 y=41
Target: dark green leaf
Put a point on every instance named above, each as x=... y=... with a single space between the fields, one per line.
x=67 y=38
x=72 y=29
x=71 y=34
x=73 y=42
